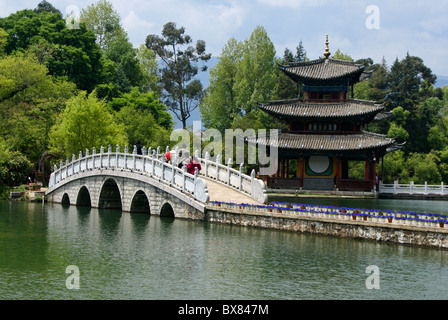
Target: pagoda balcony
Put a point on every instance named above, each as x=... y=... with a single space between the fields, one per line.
x=284 y=183
x=298 y=183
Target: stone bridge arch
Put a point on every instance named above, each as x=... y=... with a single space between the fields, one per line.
x=128 y=191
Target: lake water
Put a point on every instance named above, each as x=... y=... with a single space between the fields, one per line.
x=136 y=256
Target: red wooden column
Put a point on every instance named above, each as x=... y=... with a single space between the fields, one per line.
x=367 y=172
x=337 y=172
x=302 y=169
x=374 y=170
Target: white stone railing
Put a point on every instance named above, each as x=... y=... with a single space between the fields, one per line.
x=411 y=188
x=236 y=179
x=150 y=162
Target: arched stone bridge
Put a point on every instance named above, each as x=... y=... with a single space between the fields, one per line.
x=147 y=183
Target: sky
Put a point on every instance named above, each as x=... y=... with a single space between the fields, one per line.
x=361 y=29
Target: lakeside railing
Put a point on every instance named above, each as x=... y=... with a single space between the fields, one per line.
x=150 y=162
x=382 y=217
x=413 y=189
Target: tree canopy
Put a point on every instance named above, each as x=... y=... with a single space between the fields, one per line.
x=85 y=123
x=72 y=53
x=180 y=90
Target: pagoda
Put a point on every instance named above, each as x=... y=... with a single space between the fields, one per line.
x=326 y=129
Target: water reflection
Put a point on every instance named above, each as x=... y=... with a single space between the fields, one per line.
x=137 y=256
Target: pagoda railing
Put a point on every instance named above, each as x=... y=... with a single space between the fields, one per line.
x=354 y=185
x=284 y=183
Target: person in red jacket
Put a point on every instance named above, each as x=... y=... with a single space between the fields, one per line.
x=191 y=167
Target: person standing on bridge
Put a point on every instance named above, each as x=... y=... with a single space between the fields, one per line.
x=183 y=157
x=193 y=165
x=168 y=157
x=139 y=147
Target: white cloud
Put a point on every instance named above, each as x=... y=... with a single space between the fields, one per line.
x=132 y=21
x=212 y=22
x=293 y=3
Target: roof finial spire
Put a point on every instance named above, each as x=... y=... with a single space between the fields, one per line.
x=327 y=49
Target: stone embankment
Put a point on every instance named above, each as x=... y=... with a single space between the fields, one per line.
x=388 y=226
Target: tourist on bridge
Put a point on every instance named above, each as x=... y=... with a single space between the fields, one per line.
x=193 y=165
x=183 y=157
x=139 y=147
x=168 y=157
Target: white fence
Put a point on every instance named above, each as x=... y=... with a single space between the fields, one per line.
x=413 y=189
x=151 y=162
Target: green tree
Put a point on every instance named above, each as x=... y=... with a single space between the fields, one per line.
x=3 y=41
x=85 y=123
x=218 y=107
x=394 y=167
x=245 y=75
x=257 y=72
x=146 y=101
x=423 y=168
x=128 y=72
x=148 y=64
x=140 y=125
x=104 y=21
x=45 y=6
x=14 y=167
x=339 y=55
x=74 y=54
x=286 y=88
x=406 y=78
x=397 y=132
x=19 y=73
x=30 y=99
x=181 y=92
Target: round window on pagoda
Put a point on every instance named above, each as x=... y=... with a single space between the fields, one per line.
x=319 y=165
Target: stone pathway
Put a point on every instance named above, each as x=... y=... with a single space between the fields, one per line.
x=220 y=192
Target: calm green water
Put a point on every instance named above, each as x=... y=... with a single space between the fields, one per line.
x=135 y=256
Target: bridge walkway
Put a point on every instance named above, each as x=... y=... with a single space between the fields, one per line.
x=223 y=193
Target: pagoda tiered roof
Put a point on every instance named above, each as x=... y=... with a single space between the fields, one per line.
x=327 y=142
x=324 y=69
x=302 y=109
